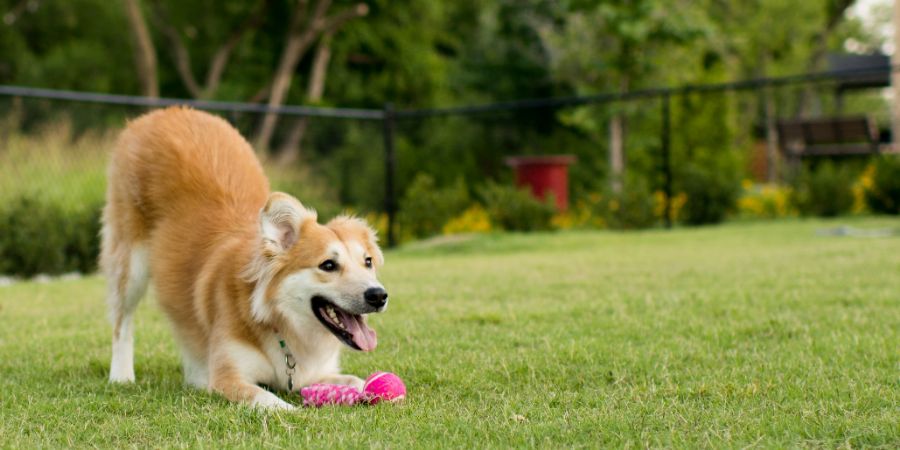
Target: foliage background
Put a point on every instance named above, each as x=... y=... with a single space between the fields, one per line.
x=421 y=53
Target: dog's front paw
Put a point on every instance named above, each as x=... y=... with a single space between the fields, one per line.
x=270 y=401
x=346 y=380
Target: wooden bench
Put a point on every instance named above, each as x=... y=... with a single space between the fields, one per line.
x=836 y=136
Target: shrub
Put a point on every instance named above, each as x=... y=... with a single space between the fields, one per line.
x=425 y=208
x=765 y=201
x=583 y=213
x=473 y=220
x=632 y=207
x=306 y=185
x=825 y=190
x=40 y=236
x=659 y=205
x=712 y=190
x=883 y=196
x=514 y=209
x=860 y=186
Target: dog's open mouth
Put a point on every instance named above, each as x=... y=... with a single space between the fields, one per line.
x=351 y=329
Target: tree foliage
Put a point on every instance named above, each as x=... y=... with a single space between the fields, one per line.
x=422 y=53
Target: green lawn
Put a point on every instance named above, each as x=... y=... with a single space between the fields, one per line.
x=751 y=334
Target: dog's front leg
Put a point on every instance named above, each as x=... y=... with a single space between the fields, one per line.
x=236 y=386
x=347 y=380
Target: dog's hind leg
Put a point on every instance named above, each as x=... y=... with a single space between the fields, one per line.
x=126 y=266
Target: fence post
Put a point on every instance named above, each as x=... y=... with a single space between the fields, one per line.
x=667 y=157
x=390 y=166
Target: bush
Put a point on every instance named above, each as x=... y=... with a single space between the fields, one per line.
x=425 y=208
x=883 y=196
x=826 y=190
x=766 y=201
x=39 y=236
x=514 y=209
x=633 y=207
x=712 y=191
x=307 y=185
x=473 y=220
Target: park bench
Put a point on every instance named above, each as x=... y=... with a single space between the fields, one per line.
x=835 y=136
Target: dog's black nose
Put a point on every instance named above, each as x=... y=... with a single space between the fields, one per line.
x=376 y=296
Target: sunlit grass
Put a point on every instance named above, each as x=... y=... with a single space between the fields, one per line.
x=56 y=165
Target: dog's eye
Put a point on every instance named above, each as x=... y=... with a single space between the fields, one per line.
x=369 y=262
x=328 y=266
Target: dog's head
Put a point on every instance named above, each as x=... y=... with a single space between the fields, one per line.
x=313 y=275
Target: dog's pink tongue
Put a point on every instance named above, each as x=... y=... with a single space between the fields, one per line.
x=363 y=336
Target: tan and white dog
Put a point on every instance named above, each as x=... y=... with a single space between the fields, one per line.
x=236 y=268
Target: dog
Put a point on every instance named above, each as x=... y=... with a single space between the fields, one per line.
x=257 y=291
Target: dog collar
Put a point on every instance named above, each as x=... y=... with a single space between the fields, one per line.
x=289 y=360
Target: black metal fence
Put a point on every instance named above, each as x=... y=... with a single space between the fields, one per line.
x=522 y=115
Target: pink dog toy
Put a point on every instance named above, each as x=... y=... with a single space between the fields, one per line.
x=384 y=386
x=330 y=394
x=379 y=386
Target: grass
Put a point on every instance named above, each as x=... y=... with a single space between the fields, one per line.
x=58 y=165
x=55 y=165
x=745 y=335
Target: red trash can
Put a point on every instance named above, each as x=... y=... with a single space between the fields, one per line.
x=543 y=174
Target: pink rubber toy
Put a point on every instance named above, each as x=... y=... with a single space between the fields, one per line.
x=330 y=394
x=384 y=386
x=379 y=386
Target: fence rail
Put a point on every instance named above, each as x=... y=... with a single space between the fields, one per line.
x=389 y=116
x=206 y=105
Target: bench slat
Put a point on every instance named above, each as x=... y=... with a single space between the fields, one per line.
x=855 y=135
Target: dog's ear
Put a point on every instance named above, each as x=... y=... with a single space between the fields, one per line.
x=356 y=228
x=280 y=221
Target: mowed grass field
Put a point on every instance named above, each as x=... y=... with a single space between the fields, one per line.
x=745 y=335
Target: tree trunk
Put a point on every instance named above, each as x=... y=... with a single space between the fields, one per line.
x=301 y=35
x=182 y=57
x=297 y=42
x=617 y=146
x=144 y=52
x=290 y=150
x=616 y=151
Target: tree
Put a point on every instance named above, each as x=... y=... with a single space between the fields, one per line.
x=220 y=58
x=290 y=149
x=144 y=51
x=305 y=28
x=614 y=47
x=835 y=11
x=895 y=80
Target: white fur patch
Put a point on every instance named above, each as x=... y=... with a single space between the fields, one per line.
x=196 y=371
x=268 y=400
x=122 y=364
x=252 y=364
x=261 y=273
x=138 y=275
x=121 y=369
x=357 y=251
